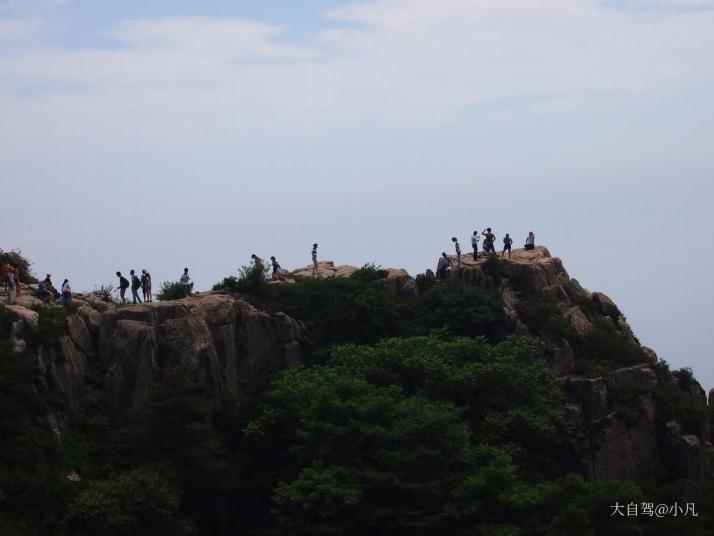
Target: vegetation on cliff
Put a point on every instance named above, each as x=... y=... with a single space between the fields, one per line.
x=409 y=415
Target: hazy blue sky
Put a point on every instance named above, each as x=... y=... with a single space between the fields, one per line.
x=178 y=133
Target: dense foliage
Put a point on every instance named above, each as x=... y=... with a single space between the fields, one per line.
x=411 y=415
x=171 y=290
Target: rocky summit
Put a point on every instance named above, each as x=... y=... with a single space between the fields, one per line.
x=626 y=413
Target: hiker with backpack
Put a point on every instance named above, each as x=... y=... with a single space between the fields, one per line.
x=135 y=286
x=474 y=244
x=458 y=252
x=123 y=285
x=488 y=241
x=146 y=285
x=530 y=241
x=507 y=242
x=314 y=260
x=186 y=283
x=66 y=293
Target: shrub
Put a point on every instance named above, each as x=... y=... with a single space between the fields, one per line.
x=494 y=267
x=106 y=293
x=15 y=259
x=171 y=290
x=369 y=273
x=462 y=309
x=425 y=281
x=251 y=278
x=139 y=502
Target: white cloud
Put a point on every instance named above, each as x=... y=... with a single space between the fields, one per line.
x=400 y=62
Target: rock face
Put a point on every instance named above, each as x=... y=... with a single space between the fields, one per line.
x=619 y=428
x=397 y=280
x=537 y=276
x=617 y=433
x=221 y=339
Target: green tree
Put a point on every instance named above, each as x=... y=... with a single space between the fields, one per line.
x=134 y=503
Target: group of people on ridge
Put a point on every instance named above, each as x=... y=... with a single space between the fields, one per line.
x=136 y=283
x=443 y=268
x=46 y=291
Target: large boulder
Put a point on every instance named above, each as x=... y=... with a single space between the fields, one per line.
x=221 y=339
x=578 y=321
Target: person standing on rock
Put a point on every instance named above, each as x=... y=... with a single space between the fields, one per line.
x=507 y=242
x=458 y=252
x=258 y=263
x=530 y=241
x=474 y=244
x=135 y=286
x=488 y=241
x=66 y=292
x=10 y=286
x=123 y=285
x=186 y=283
x=146 y=285
x=314 y=260
x=16 y=273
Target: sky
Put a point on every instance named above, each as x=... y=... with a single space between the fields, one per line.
x=178 y=133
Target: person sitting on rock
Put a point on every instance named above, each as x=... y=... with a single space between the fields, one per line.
x=507 y=242
x=49 y=287
x=474 y=244
x=488 y=241
x=314 y=260
x=123 y=285
x=443 y=268
x=135 y=286
x=186 y=283
x=66 y=293
x=530 y=241
x=458 y=252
